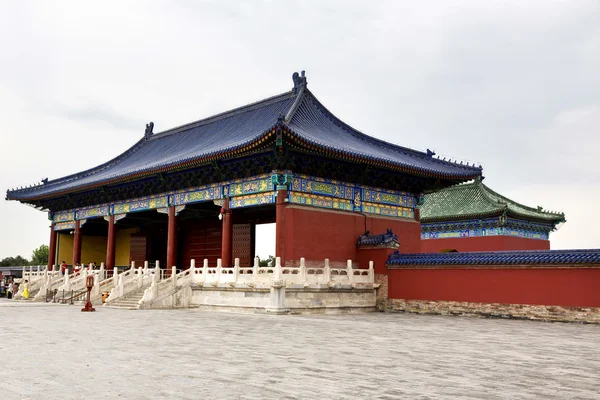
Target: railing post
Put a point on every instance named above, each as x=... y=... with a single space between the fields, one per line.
x=236 y=269
x=115 y=276
x=140 y=277
x=145 y=267
x=277 y=272
x=174 y=276
x=205 y=270
x=120 y=286
x=192 y=266
x=133 y=266
x=371 y=272
x=219 y=265
x=157 y=271
x=326 y=271
x=102 y=272
x=302 y=271
x=350 y=271
x=255 y=269
x=24 y=273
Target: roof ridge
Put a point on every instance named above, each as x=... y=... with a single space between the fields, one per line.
x=225 y=114
x=519 y=204
x=479 y=186
x=363 y=136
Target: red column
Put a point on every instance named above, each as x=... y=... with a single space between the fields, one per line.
x=227 y=235
x=172 y=239
x=110 y=244
x=77 y=244
x=280 y=224
x=52 y=248
x=417 y=214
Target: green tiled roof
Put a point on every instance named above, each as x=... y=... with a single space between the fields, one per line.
x=476 y=200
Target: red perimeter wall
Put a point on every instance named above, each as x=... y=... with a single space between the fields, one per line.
x=317 y=234
x=575 y=287
x=488 y=243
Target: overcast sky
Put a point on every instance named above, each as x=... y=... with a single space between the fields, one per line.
x=511 y=85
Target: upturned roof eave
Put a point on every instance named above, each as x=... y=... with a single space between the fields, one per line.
x=476 y=172
x=178 y=165
x=382 y=162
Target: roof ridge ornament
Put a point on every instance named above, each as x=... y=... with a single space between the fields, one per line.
x=299 y=81
x=149 y=128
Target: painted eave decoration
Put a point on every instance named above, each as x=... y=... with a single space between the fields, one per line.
x=296 y=118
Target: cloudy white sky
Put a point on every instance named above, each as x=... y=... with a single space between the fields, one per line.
x=511 y=85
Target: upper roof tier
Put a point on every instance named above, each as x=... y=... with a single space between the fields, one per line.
x=301 y=118
x=476 y=200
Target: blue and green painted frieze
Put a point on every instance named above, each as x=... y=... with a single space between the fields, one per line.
x=487 y=227
x=261 y=190
x=328 y=193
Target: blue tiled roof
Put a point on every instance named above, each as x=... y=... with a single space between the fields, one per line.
x=382 y=239
x=498 y=258
x=306 y=120
x=315 y=124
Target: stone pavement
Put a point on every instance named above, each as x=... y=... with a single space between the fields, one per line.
x=58 y=352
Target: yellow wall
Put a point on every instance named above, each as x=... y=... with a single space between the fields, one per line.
x=123 y=241
x=93 y=248
x=65 y=248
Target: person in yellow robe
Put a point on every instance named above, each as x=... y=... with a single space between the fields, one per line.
x=25 y=293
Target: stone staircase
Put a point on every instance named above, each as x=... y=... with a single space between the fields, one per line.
x=129 y=301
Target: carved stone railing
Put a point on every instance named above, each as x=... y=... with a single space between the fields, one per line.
x=162 y=289
x=290 y=276
x=163 y=286
x=36 y=279
x=131 y=280
x=54 y=280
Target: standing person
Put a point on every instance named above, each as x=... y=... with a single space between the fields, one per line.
x=63 y=267
x=15 y=288
x=76 y=269
x=2 y=288
x=9 y=290
x=25 y=293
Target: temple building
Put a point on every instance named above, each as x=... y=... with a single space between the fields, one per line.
x=472 y=217
x=199 y=190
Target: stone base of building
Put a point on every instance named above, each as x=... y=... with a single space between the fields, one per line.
x=589 y=315
x=310 y=300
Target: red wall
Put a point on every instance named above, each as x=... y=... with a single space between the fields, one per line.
x=577 y=287
x=488 y=243
x=317 y=234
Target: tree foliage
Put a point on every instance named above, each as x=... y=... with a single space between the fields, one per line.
x=269 y=262
x=17 y=261
x=40 y=255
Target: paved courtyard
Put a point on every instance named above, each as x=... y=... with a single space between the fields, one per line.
x=58 y=352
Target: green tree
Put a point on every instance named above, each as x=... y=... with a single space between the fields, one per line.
x=40 y=255
x=265 y=263
x=17 y=261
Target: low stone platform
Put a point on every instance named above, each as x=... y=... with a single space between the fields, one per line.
x=58 y=352
x=587 y=315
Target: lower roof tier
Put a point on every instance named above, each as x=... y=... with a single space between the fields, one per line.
x=474 y=201
x=524 y=257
